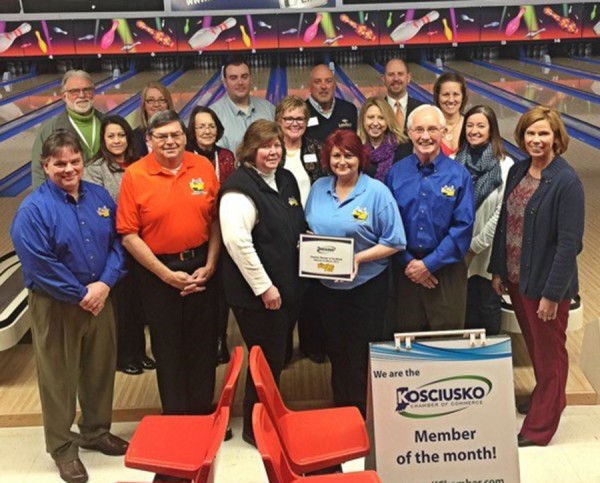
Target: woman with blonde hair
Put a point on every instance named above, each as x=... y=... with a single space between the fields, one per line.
x=382 y=136
x=155 y=98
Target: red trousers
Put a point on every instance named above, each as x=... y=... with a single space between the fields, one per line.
x=546 y=345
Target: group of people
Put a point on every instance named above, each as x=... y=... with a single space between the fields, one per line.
x=197 y=220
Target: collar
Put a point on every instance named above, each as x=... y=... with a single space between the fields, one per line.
x=431 y=167
x=359 y=188
x=556 y=165
x=62 y=195
x=318 y=107
x=403 y=101
x=238 y=110
x=155 y=168
x=81 y=117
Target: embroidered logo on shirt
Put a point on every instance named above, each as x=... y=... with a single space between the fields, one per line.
x=103 y=211
x=197 y=186
x=360 y=214
x=448 y=191
x=345 y=124
x=292 y=201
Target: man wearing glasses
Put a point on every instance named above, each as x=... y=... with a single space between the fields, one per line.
x=237 y=109
x=435 y=196
x=168 y=218
x=79 y=117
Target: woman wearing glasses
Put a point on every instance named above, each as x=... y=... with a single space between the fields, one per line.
x=302 y=159
x=203 y=133
x=155 y=98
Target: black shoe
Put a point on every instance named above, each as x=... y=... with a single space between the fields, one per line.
x=148 y=363
x=317 y=358
x=523 y=408
x=132 y=369
x=249 y=438
x=524 y=442
x=228 y=434
x=222 y=351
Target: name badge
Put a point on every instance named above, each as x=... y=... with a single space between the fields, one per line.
x=310 y=158
x=313 y=121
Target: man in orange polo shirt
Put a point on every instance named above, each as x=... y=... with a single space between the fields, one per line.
x=168 y=218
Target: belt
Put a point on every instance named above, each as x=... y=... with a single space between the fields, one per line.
x=190 y=254
x=419 y=254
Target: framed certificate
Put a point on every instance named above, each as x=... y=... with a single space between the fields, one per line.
x=326 y=257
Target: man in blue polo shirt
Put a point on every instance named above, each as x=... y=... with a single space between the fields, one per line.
x=435 y=197
x=64 y=234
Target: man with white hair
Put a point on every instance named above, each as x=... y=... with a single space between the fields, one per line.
x=79 y=117
x=435 y=197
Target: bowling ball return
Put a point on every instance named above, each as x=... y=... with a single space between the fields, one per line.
x=14 y=323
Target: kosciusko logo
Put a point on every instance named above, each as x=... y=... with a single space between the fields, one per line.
x=442 y=397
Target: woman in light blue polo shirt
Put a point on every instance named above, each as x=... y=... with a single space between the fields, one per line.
x=348 y=203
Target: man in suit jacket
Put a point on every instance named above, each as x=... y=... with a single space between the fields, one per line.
x=396 y=78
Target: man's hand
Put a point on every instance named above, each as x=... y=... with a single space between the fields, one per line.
x=200 y=277
x=95 y=298
x=179 y=280
x=417 y=272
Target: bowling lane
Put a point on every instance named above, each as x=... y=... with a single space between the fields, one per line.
x=16 y=151
x=24 y=105
x=260 y=81
x=577 y=64
x=581 y=109
x=21 y=86
x=298 y=78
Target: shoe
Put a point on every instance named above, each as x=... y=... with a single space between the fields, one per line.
x=109 y=444
x=523 y=408
x=148 y=363
x=228 y=434
x=72 y=471
x=523 y=442
x=131 y=369
x=222 y=351
x=317 y=358
x=249 y=438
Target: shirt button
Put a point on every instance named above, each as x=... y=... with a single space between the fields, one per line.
x=420 y=228
x=83 y=222
x=420 y=246
x=87 y=240
x=93 y=274
x=92 y=257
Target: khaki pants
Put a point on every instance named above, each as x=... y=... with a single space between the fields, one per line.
x=75 y=356
x=441 y=308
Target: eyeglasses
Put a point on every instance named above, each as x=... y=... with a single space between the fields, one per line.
x=206 y=127
x=432 y=131
x=291 y=120
x=86 y=91
x=162 y=138
x=151 y=100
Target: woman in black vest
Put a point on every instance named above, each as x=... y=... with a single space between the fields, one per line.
x=261 y=221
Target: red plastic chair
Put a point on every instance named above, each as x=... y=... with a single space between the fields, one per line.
x=314 y=439
x=277 y=465
x=178 y=445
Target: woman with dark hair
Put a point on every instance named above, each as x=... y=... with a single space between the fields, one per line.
x=203 y=132
x=155 y=98
x=383 y=137
x=348 y=203
x=534 y=259
x=451 y=96
x=261 y=220
x=106 y=169
x=482 y=153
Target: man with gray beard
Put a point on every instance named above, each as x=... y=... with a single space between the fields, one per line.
x=79 y=117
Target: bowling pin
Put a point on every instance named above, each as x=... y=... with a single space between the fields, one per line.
x=7 y=38
x=41 y=44
x=513 y=25
x=109 y=37
x=407 y=30
x=311 y=32
x=208 y=35
x=245 y=37
x=447 y=31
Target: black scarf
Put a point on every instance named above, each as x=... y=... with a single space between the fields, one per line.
x=484 y=168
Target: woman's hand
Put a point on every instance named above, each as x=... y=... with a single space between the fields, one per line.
x=498 y=286
x=547 y=309
x=271 y=298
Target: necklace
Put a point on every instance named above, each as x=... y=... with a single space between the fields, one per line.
x=451 y=129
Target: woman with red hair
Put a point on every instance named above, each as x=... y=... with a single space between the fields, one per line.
x=348 y=203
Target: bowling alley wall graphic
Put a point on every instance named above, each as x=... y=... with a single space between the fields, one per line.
x=531 y=22
x=325 y=29
x=227 y=33
x=37 y=38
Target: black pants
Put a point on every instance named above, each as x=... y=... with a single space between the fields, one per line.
x=129 y=314
x=353 y=318
x=183 y=331
x=267 y=329
x=310 y=327
x=484 y=310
